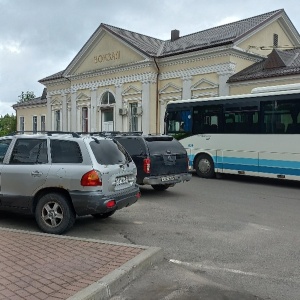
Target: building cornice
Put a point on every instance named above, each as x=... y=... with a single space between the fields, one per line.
x=264 y=80
x=142 y=77
x=203 y=55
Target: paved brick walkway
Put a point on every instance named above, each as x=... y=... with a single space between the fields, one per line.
x=39 y=266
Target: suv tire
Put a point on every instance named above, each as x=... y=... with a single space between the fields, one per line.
x=160 y=187
x=54 y=214
x=104 y=215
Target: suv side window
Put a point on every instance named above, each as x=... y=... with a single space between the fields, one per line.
x=4 y=144
x=29 y=151
x=65 y=152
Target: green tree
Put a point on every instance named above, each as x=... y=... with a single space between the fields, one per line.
x=8 y=124
x=26 y=96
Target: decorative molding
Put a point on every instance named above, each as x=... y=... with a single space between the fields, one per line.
x=204 y=95
x=203 y=81
x=131 y=90
x=203 y=55
x=166 y=99
x=225 y=67
x=118 y=81
x=82 y=97
x=170 y=88
x=59 y=92
x=131 y=99
x=56 y=101
x=112 y=70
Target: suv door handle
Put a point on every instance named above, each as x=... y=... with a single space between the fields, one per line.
x=36 y=174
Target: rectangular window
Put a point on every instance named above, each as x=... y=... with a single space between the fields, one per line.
x=22 y=124
x=34 y=124
x=281 y=116
x=85 y=119
x=43 y=123
x=133 y=121
x=207 y=119
x=65 y=152
x=275 y=40
x=29 y=152
x=57 y=120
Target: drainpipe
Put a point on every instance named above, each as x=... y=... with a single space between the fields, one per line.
x=157 y=102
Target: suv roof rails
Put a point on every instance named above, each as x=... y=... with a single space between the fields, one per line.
x=74 y=134
x=114 y=133
x=49 y=133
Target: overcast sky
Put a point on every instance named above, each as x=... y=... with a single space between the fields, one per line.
x=40 y=37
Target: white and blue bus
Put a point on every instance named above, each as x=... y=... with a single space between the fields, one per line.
x=255 y=134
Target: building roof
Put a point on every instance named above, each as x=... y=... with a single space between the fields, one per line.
x=209 y=38
x=35 y=101
x=278 y=63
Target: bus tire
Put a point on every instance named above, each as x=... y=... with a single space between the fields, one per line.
x=205 y=166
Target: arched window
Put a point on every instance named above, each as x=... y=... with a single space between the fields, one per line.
x=108 y=98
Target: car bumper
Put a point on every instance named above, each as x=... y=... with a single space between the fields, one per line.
x=86 y=203
x=167 y=179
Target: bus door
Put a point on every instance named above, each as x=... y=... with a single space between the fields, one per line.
x=239 y=152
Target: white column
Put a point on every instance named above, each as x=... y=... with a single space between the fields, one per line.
x=93 y=110
x=78 y=122
x=223 y=77
x=163 y=105
x=118 y=118
x=73 y=111
x=89 y=107
x=69 y=118
x=186 y=87
x=64 y=113
x=146 y=108
x=53 y=120
x=49 y=114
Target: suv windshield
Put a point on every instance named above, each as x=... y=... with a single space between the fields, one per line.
x=109 y=152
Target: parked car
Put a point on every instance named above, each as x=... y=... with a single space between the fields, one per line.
x=56 y=176
x=161 y=160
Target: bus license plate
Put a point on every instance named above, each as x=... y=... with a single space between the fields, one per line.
x=167 y=178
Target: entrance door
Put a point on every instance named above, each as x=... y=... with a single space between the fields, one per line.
x=108 y=120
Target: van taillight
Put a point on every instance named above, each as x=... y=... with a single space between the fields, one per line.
x=147 y=165
x=91 y=178
x=188 y=163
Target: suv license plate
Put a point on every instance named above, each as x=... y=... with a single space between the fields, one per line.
x=167 y=178
x=121 y=180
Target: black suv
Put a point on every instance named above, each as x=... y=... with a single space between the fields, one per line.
x=161 y=160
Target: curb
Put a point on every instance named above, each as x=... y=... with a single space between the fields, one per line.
x=112 y=283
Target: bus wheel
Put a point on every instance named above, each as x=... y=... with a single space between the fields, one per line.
x=205 y=166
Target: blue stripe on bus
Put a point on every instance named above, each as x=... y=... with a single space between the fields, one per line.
x=280 y=163
x=239 y=160
x=238 y=167
x=255 y=165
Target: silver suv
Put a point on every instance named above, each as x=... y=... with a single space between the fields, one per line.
x=56 y=176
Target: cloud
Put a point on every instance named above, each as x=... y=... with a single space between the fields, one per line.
x=39 y=38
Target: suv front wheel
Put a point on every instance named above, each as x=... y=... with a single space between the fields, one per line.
x=54 y=214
